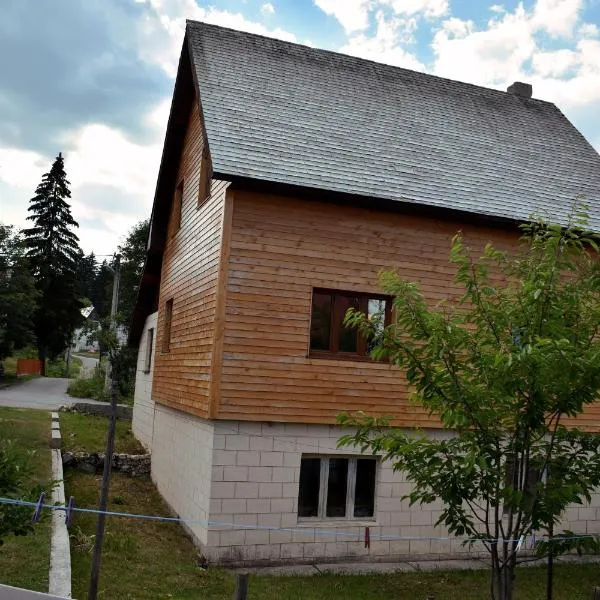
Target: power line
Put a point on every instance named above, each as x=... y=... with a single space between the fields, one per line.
x=355 y=535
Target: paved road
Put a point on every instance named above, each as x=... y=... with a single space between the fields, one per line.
x=89 y=364
x=48 y=393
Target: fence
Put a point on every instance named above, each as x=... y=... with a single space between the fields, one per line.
x=29 y=366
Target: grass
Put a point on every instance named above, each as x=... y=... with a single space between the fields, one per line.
x=24 y=561
x=87 y=433
x=87 y=354
x=144 y=560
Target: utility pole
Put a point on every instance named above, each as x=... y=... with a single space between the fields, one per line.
x=110 y=438
x=113 y=315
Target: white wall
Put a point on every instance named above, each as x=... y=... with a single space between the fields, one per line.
x=182 y=454
x=247 y=474
x=255 y=478
x=143 y=405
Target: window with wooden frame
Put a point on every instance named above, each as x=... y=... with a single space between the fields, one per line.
x=177 y=203
x=328 y=335
x=205 y=178
x=149 y=344
x=166 y=339
x=337 y=487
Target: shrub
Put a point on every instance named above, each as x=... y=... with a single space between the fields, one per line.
x=58 y=368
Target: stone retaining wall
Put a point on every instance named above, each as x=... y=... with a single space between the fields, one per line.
x=135 y=465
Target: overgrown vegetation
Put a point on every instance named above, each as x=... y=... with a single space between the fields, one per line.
x=24 y=561
x=502 y=366
x=93 y=387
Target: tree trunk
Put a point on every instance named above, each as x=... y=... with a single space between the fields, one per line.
x=503 y=578
x=42 y=357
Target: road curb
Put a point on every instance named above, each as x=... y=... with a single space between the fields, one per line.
x=60 y=549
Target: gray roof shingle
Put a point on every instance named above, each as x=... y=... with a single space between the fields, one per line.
x=291 y=114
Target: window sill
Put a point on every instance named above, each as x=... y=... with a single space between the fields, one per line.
x=335 y=523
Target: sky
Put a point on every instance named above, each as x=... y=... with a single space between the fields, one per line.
x=93 y=78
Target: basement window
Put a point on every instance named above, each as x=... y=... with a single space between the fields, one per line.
x=330 y=338
x=166 y=341
x=149 y=344
x=337 y=488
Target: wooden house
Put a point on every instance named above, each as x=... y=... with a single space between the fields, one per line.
x=290 y=177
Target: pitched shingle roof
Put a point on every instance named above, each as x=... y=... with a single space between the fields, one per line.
x=291 y=114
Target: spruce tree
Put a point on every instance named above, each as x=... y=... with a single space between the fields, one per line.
x=53 y=253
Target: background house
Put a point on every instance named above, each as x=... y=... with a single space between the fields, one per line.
x=290 y=176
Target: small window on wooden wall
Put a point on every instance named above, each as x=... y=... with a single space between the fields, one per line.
x=177 y=202
x=149 y=344
x=337 y=487
x=166 y=340
x=329 y=336
x=205 y=178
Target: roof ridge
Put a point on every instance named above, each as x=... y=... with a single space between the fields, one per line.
x=350 y=57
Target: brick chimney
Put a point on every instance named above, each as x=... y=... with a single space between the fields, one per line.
x=520 y=89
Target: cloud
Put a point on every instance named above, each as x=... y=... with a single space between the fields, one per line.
x=426 y=8
x=353 y=15
x=489 y=57
x=74 y=60
x=514 y=46
x=386 y=44
x=556 y=17
x=162 y=34
x=267 y=9
x=555 y=63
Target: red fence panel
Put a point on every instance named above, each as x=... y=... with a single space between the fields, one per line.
x=29 y=366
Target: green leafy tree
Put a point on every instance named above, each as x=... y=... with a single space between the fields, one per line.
x=133 y=256
x=18 y=295
x=501 y=366
x=53 y=254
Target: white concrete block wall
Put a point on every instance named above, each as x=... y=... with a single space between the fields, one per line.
x=182 y=464
x=247 y=474
x=143 y=405
x=256 y=469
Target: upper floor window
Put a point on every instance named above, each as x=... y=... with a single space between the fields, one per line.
x=177 y=202
x=166 y=339
x=148 y=356
x=337 y=487
x=329 y=336
x=205 y=178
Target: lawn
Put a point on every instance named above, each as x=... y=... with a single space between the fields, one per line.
x=30 y=429
x=144 y=560
x=88 y=433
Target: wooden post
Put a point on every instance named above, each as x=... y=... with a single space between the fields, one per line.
x=596 y=593
x=241 y=586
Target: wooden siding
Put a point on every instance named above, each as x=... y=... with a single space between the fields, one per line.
x=189 y=277
x=280 y=250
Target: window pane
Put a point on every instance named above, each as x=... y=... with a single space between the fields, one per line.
x=364 y=495
x=376 y=314
x=320 y=324
x=308 y=494
x=347 y=337
x=336 y=487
